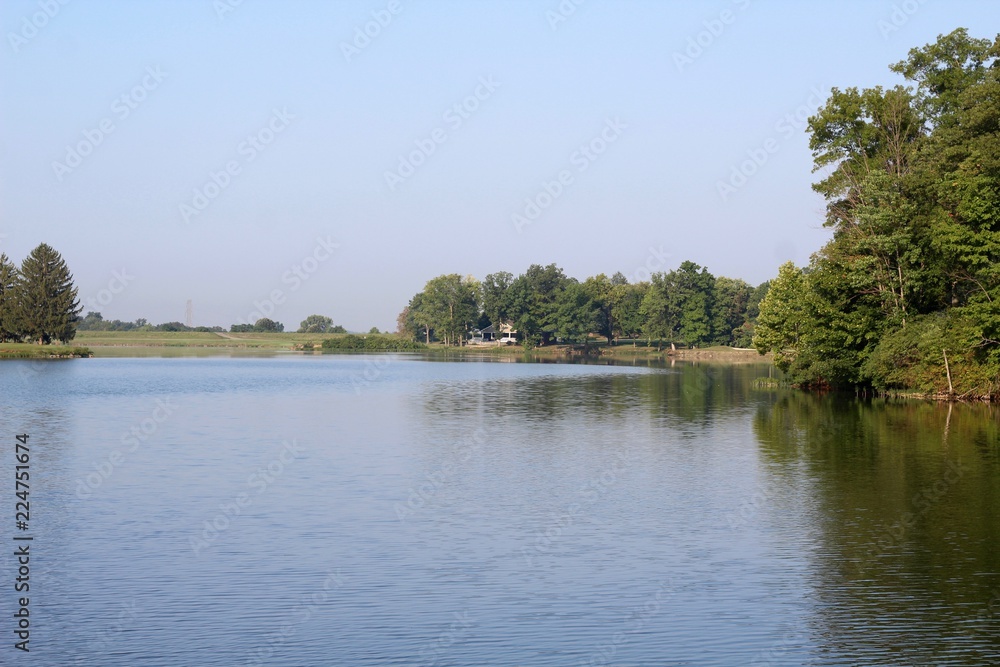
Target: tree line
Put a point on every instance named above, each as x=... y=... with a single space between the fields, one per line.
x=94 y=321
x=906 y=295
x=687 y=306
x=38 y=301
x=319 y=324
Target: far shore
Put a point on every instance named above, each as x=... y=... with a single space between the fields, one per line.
x=142 y=343
x=131 y=344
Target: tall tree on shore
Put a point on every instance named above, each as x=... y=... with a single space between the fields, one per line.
x=659 y=310
x=602 y=292
x=729 y=315
x=627 y=302
x=8 y=301
x=532 y=301
x=678 y=305
x=574 y=313
x=47 y=307
x=448 y=305
x=495 y=298
x=869 y=140
x=417 y=318
x=783 y=317
x=696 y=287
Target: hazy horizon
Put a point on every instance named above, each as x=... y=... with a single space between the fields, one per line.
x=219 y=151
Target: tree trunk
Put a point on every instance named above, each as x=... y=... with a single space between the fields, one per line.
x=902 y=294
x=947 y=369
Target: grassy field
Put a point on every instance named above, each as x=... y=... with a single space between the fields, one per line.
x=274 y=341
x=32 y=351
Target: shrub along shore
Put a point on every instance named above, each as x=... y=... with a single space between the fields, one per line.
x=32 y=351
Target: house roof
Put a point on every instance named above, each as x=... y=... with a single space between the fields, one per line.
x=504 y=328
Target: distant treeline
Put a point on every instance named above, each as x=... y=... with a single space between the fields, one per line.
x=687 y=306
x=906 y=295
x=95 y=322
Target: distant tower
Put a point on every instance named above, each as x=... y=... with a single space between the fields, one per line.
x=189 y=314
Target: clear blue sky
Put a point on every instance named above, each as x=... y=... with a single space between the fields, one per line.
x=326 y=123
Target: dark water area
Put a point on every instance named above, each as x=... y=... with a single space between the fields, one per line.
x=391 y=510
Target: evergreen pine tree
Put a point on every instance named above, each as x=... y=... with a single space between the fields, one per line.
x=9 y=331
x=47 y=307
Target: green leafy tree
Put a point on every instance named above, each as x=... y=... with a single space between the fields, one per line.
x=523 y=311
x=946 y=70
x=959 y=174
x=602 y=292
x=495 y=297
x=753 y=305
x=316 y=324
x=743 y=336
x=574 y=314
x=173 y=326
x=47 y=307
x=678 y=306
x=532 y=298
x=405 y=326
x=267 y=325
x=696 y=299
x=416 y=320
x=730 y=310
x=93 y=321
x=626 y=308
x=868 y=140
x=783 y=317
x=659 y=310
x=449 y=305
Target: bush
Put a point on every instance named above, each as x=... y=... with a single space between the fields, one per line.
x=371 y=343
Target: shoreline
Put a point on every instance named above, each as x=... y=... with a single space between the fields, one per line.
x=122 y=341
x=33 y=351
x=125 y=344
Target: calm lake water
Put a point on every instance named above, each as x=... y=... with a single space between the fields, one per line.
x=392 y=511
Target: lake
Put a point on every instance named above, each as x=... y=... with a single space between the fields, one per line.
x=390 y=510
